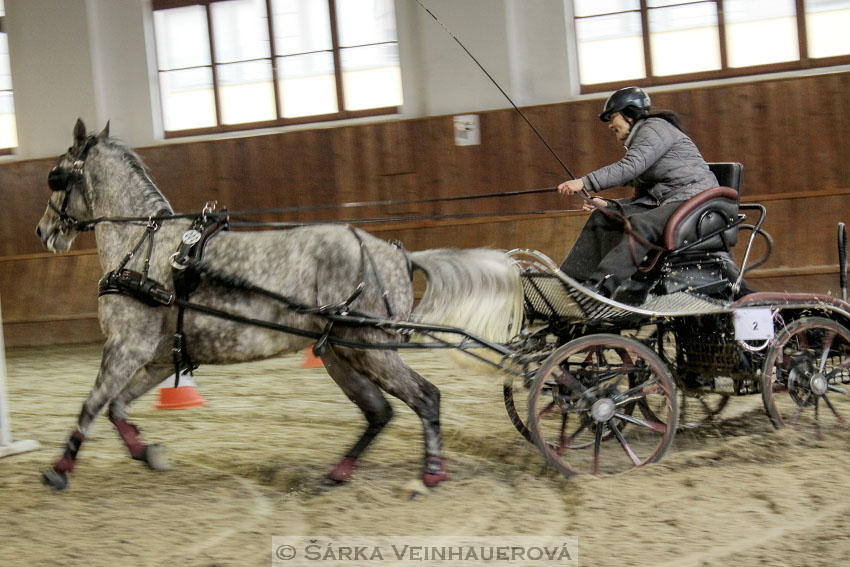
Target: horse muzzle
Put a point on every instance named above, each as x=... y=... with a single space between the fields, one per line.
x=52 y=237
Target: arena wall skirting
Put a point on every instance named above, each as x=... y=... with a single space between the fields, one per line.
x=789 y=133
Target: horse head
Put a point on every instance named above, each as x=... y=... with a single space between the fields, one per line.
x=70 y=200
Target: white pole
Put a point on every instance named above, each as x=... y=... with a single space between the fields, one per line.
x=7 y=446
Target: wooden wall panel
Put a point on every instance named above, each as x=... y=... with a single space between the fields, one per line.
x=49 y=299
x=790 y=134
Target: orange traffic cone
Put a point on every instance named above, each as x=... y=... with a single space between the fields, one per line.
x=312 y=361
x=185 y=395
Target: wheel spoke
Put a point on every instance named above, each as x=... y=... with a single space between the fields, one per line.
x=647 y=411
x=563 y=442
x=635 y=459
x=597 y=446
x=800 y=408
x=827 y=345
x=653 y=425
x=585 y=422
x=839 y=389
x=548 y=409
x=838 y=416
x=566 y=379
x=818 y=433
x=639 y=390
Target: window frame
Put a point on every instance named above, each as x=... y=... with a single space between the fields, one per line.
x=725 y=72
x=336 y=49
x=6 y=151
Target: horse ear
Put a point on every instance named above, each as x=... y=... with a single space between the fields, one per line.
x=105 y=132
x=79 y=132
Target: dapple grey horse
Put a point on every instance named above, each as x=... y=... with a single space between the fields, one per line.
x=318 y=264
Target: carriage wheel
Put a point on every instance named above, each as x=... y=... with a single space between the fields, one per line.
x=806 y=378
x=585 y=395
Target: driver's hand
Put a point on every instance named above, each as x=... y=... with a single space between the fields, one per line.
x=571 y=187
x=593 y=204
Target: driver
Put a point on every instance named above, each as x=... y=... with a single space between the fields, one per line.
x=664 y=166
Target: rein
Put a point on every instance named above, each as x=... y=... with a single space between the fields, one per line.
x=88 y=225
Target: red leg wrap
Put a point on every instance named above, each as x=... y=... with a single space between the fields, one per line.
x=66 y=463
x=435 y=471
x=344 y=470
x=130 y=434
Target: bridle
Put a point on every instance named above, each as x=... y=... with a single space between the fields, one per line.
x=63 y=179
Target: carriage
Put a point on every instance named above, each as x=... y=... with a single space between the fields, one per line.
x=598 y=385
x=607 y=385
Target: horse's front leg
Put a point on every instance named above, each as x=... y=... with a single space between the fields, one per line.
x=118 y=365
x=144 y=380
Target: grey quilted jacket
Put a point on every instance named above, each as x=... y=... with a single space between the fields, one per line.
x=662 y=163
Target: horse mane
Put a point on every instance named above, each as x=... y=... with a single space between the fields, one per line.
x=139 y=170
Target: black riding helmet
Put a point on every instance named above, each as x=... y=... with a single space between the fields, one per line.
x=631 y=101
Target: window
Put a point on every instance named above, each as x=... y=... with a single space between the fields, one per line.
x=239 y=64
x=653 y=42
x=8 y=128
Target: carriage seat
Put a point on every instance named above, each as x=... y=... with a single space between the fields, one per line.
x=698 y=225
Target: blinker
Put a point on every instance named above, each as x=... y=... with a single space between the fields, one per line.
x=57 y=179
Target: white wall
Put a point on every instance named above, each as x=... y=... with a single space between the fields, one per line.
x=89 y=59
x=51 y=72
x=122 y=82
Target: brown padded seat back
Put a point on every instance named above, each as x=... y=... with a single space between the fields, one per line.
x=700 y=215
x=707 y=212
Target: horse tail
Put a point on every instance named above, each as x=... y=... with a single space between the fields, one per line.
x=477 y=290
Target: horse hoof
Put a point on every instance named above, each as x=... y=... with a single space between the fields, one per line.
x=413 y=490
x=435 y=471
x=154 y=456
x=343 y=471
x=54 y=479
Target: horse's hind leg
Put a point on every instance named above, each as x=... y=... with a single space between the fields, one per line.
x=371 y=401
x=143 y=381
x=387 y=370
x=119 y=363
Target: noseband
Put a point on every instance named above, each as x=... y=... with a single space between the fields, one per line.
x=61 y=179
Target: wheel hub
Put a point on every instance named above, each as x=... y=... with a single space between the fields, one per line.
x=603 y=409
x=818 y=384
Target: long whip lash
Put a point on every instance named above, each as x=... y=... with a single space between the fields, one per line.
x=584 y=193
x=501 y=90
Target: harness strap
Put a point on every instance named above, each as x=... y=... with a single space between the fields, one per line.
x=322 y=342
x=364 y=252
x=186 y=280
x=136 y=285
